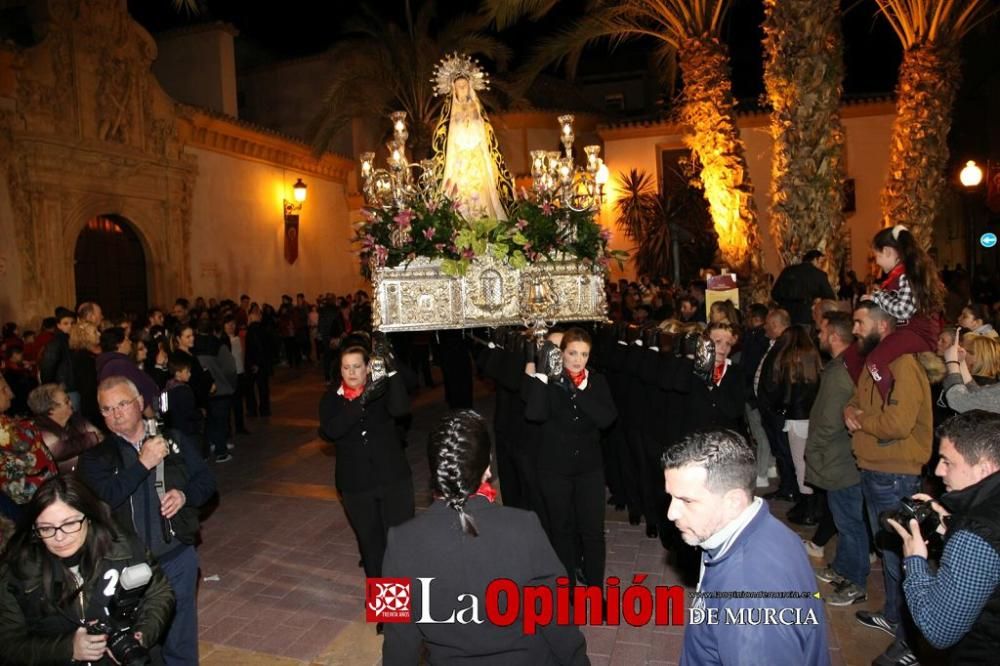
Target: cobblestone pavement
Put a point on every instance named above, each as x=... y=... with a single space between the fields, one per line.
x=280 y=577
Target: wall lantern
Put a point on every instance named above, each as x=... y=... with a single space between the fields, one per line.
x=971 y=174
x=292 y=210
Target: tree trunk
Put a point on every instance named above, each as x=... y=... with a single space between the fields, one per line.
x=707 y=113
x=803 y=73
x=918 y=148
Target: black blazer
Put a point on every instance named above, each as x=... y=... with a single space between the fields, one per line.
x=369 y=452
x=571 y=419
x=707 y=406
x=511 y=544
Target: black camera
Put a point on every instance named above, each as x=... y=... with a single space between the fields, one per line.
x=912 y=509
x=121 y=613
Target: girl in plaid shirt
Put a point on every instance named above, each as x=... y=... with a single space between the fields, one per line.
x=912 y=293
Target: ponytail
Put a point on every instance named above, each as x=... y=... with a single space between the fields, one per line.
x=920 y=270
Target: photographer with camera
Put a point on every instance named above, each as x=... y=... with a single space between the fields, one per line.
x=959 y=605
x=154 y=486
x=65 y=589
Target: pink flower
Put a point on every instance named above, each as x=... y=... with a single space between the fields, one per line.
x=429 y=233
x=440 y=247
x=605 y=235
x=368 y=241
x=368 y=215
x=521 y=224
x=381 y=255
x=527 y=246
x=467 y=253
x=432 y=206
x=547 y=209
x=403 y=218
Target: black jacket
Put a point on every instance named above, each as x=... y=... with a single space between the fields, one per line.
x=784 y=399
x=572 y=420
x=33 y=632
x=85 y=377
x=797 y=286
x=512 y=545
x=369 y=452
x=112 y=471
x=56 y=367
x=755 y=344
x=258 y=354
x=707 y=406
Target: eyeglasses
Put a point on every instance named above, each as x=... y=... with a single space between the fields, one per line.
x=49 y=531
x=110 y=409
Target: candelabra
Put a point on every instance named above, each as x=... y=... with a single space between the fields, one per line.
x=399 y=184
x=556 y=180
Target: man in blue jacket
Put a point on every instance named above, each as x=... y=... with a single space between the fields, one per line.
x=756 y=601
x=154 y=489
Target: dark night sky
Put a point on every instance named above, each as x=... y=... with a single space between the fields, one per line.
x=872 y=52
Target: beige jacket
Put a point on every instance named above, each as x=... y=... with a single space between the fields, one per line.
x=895 y=437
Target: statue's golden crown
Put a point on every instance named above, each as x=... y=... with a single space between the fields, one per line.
x=456 y=66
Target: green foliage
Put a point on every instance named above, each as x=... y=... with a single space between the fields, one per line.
x=534 y=232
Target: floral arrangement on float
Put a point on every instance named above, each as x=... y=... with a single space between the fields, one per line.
x=449 y=243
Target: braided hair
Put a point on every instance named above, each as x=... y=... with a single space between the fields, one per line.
x=458 y=451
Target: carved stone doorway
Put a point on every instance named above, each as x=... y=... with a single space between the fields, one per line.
x=110 y=266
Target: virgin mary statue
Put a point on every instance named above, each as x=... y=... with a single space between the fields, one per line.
x=467 y=158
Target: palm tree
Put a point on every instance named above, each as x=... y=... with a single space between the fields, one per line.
x=690 y=31
x=803 y=73
x=930 y=32
x=641 y=216
x=383 y=67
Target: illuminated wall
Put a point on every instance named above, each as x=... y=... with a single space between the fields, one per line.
x=638 y=146
x=237 y=236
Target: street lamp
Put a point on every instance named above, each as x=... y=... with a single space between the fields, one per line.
x=971 y=175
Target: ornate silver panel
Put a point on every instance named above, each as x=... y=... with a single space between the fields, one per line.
x=419 y=297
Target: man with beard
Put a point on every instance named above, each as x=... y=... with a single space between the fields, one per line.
x=710 y=477
x=891 y=440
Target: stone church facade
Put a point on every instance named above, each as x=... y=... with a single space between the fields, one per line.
x=87 y=131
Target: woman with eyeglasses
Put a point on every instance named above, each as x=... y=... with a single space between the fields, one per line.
x=66 y=433
x=59 y=573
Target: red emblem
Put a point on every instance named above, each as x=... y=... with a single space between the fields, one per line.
x=387 y=600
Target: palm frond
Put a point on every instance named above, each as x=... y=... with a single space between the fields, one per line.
x=505 y=13
x=565 y=46
x=190 y=7
x=917 y=22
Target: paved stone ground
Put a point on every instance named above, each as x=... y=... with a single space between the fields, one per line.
x=281 y=582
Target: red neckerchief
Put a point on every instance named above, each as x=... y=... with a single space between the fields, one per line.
x=720 y=370
x=577 y=377
x=349 y=393
x=893 y=276
x=487 y=491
